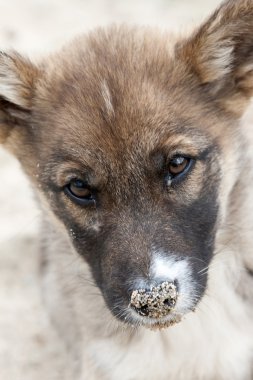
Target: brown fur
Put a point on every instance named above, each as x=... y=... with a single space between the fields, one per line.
x=111 y=108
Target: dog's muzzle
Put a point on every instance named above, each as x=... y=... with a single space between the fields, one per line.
x=156 y=302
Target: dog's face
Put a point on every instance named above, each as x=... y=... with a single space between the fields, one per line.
x=126 y=136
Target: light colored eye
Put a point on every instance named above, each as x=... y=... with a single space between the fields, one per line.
x=80 y=192
x=79 y=189
x=178 y=165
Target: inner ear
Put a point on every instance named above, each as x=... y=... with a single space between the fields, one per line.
x=17 y=82
x=17 y=78
x=220 y=54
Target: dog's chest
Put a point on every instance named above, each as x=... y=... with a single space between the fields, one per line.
x=206 y=348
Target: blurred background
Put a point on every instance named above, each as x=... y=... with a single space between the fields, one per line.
x=29 y=347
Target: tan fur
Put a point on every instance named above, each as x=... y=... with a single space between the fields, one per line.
x=107 y=99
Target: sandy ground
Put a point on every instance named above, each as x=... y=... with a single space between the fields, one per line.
x=29 y=347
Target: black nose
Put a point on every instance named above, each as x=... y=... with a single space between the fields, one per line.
x=155 y=302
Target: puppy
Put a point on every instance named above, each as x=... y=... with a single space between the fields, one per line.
x=140 y=155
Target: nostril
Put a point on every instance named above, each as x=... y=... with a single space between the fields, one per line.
x=169 y=302
x=143 y=310
x=155 y=302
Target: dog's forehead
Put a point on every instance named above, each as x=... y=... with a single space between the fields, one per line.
x=118 y=92
x=116 y=72
x=133 y=128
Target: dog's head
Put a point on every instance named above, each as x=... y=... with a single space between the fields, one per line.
x=131 y=138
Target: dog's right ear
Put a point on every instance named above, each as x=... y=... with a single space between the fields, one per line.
x=17 y=82
x=220 y=55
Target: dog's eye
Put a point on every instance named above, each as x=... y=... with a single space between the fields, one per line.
x=178 y=164
x=78 y=191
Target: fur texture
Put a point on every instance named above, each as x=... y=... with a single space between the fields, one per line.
x=107 y=117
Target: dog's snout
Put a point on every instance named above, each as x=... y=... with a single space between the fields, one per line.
x=155 y=302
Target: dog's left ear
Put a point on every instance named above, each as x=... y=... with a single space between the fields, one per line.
x=220 y=53
x=17 y=81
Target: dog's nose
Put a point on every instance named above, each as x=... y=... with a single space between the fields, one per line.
x=155 y=302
